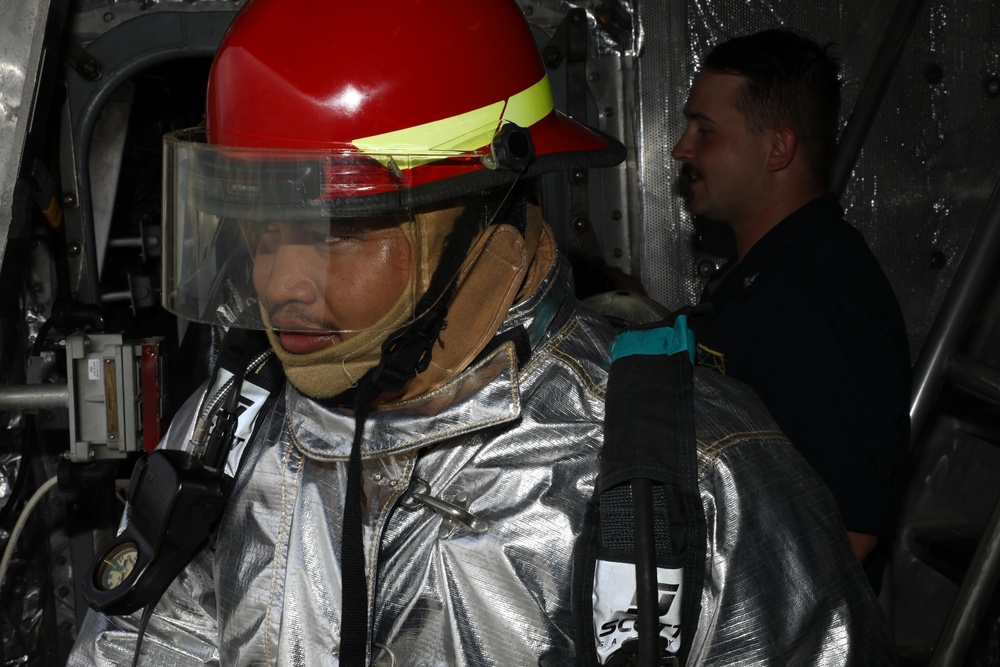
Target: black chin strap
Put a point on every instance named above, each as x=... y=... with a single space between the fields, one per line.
x=408 y=351
x=354 y=582
x=404 y=354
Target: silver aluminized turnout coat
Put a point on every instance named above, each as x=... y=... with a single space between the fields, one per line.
x=479 y=572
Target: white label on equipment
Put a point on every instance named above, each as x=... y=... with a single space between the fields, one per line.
x=615 y=609
x=93 y=369
x=252 y=399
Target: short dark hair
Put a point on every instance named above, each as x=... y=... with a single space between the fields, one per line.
x=792 y=81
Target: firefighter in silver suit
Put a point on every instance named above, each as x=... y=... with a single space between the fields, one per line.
x=416 y=489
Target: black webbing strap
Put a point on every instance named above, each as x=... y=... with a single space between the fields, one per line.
x=650 y=448
x=354 y=576
x=408 y=351
x=237 y=351
x=404 y=354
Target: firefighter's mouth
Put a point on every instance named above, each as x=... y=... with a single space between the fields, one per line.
x=298 y=342
x=300 y=334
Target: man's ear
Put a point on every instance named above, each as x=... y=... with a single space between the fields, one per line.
x=784 y=144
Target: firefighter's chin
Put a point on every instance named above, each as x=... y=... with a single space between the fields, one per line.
x=325 y=364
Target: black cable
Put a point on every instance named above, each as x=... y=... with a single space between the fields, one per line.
x=408 y=351
x=497 y=207
x=647 y=593
x=147 y=613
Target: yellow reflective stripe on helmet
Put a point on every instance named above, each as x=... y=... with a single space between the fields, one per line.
x=464 y=132
x=530 y=106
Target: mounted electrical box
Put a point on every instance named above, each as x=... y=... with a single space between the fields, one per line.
x=115 y=399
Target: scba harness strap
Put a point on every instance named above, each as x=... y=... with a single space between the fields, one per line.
x=644 y=541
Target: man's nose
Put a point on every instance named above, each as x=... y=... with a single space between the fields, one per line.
x=289 y=278
x=682 y=149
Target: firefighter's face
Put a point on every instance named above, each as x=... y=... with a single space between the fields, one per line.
x=322 y=282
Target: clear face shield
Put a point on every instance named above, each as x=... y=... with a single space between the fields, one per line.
x=314 y=245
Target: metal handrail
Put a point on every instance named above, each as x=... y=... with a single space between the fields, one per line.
x=959 y=305
x=939 y=353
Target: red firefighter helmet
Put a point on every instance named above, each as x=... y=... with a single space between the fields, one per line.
x=384 y=76
x=326 y=110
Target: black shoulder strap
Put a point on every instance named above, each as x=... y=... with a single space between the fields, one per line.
x=245 y=383
x=651 y=538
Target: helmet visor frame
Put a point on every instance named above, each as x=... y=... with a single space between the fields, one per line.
x=242 y=224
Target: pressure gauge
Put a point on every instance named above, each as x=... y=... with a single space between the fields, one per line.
x=116 y=565
x=175 y=503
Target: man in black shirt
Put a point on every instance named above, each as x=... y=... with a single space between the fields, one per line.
x=803 y=313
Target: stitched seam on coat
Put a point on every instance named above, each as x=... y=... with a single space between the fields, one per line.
x=553 y=350
x=439 y=436
x=277 y=548
x=549 y=346
x=709 y=452
x=589 y=384
x=372 y=550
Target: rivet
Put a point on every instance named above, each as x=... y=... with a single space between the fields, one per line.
x=552 y=55
x=992 y=86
